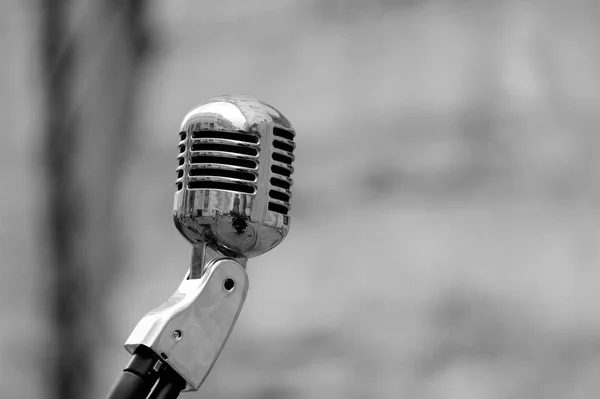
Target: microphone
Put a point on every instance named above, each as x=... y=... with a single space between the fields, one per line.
x=233 y=178
x=232 y=203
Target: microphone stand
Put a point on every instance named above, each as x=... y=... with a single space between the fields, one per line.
x=175 y=346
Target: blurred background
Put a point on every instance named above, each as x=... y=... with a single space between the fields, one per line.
x=445 y=229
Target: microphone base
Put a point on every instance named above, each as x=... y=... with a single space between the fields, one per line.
x=189 y=330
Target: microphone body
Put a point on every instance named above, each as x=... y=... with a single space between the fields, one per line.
x=234 y=176
x=232 y=203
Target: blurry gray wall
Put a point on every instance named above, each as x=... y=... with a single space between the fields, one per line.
x=445 y=231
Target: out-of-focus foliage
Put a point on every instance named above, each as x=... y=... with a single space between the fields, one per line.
x=444 y=234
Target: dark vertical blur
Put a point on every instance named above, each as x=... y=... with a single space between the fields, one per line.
x=92 y=54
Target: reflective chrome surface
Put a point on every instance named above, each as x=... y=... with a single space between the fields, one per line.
x=234 y=176
x=191 y=328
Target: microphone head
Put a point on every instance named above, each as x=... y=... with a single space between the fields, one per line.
x=234 y=176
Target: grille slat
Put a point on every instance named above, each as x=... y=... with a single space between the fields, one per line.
x=218 y=147
x=280 y=190
x=215 y=134
x=286 y=204
x=278 y=195
x=281 y=145
x=225 y=142
x=228 y=173
x=282 y=158
x=281 y=171
x=274 y=207
x=220 y=185
x=212 y=159
x=286 y=134
x=223 y=164
x=275 y=181
x=221 y=179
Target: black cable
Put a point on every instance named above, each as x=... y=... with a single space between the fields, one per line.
x=169 y=386
x=129 y=386
x=139 y=376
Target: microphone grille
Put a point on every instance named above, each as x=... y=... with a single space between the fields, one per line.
x=281 y=170
x=218 y=160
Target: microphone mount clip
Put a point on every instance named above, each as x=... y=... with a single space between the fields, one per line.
x=189 y=331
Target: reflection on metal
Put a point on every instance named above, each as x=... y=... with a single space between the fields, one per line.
x=234 y=176
x=191 y=328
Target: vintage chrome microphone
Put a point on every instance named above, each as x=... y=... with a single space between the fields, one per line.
x=232 y=203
